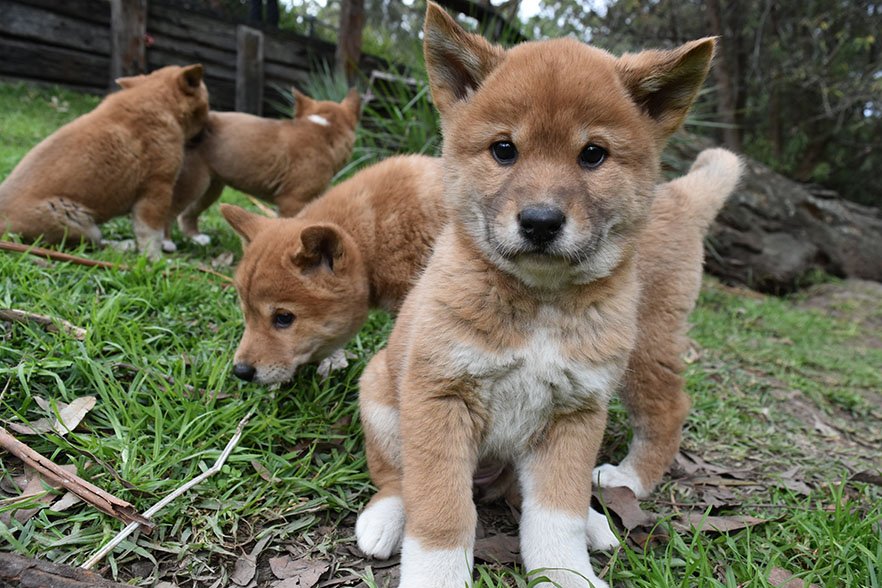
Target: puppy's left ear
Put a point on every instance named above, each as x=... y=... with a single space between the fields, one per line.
x=321 y=246
x=190 y=78
x=301 y=102
x=352 y=102
x=664 y=83
x=246 y=224
x=457 y=61
x=129 y=82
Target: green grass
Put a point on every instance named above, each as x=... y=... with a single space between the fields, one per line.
x=765 y=366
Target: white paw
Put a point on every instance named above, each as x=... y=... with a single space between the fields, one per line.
x=600 y=535
x=380 y=527
x=610 y=476
x=124 y=245
x=335 y=361
x=201 y=239
x=169 y=246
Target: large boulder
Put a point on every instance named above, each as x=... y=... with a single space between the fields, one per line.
x=775 y=235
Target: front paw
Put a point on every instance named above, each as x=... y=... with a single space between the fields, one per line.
x=168 y=246
x=201 y=239
x=610 y=476
x=336 y=361
x=600 y=535
x=380 y=527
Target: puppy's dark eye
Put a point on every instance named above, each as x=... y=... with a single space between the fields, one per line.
x=504 y=152
x=283 y=320
x=592 y=156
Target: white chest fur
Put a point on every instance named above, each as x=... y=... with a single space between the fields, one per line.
x=523 y=388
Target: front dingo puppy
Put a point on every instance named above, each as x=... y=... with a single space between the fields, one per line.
x=519 y=330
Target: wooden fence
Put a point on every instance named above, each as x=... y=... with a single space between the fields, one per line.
x=69 y=43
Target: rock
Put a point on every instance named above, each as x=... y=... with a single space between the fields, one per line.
x=775 y=235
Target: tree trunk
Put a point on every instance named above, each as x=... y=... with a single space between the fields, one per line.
x=349 y=42
x=255 y=12
x=726 y=78
x=272 y=13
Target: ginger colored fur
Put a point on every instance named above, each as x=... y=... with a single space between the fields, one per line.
x=286 y=162
x=122 y=157
x=509 y=346
x=359 y=246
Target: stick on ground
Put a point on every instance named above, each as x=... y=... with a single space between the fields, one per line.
x=103 y=501
x=132 y=527
x=51 y=323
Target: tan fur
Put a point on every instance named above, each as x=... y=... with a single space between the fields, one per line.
x=507 y=349
x=378 y=229
x=122 y=157
x=287 y=162
x=670 y=261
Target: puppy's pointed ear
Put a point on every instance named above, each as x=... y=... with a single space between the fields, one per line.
x=247 y=224
x=352 y=102
x=302 y=102
x=664 y=83
x=457 y=61
x=129 y=82
x=190 y=78
x=321 y=247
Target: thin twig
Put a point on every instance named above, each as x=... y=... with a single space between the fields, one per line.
x=131 y=527
x=58 y=255
x=263 y=207
x=52 y=324
x=103 y=501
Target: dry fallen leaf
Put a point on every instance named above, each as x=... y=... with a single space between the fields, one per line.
x=783 y=579
x=502 y=549
x=65 y=502
x=721 y=524
x=622 y=502
x=243 y=573
x=263 y=472
x=36 y=486
x=297 y=573
x=65 y=421
x=868 y=477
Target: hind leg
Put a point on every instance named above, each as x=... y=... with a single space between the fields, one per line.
x=188 y=220
x=380 y=526
x=55 y=220
x=657 y=407
x=150 y=216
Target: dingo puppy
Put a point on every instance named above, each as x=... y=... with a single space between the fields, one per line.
x=122 y=157
x=306 y=283
x=521 y=326
x=286 y=162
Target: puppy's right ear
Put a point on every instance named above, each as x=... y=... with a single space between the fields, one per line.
x=129 y=82
x=190 y=78
x=245 y=223
x=457 y=61
x=302 y=102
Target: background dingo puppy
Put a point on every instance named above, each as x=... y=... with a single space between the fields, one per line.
x=122 y=157
x=286 y=162
x=520 y=329
x=306 y=283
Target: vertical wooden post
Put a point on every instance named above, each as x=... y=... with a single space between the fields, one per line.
x=128 y=26
x=349 y=38
x=249 y=70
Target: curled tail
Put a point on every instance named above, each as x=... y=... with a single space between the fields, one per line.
x=704 y=190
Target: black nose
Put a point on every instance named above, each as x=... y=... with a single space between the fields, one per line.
x=540 y=225
x=244 y=371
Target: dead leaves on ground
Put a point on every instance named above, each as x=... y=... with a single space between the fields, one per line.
x=61 y=420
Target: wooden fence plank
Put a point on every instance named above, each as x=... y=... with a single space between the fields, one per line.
x=29 y=60
x=249 y=70
x=128 y=25
x=38 y=24
x=97 y=11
